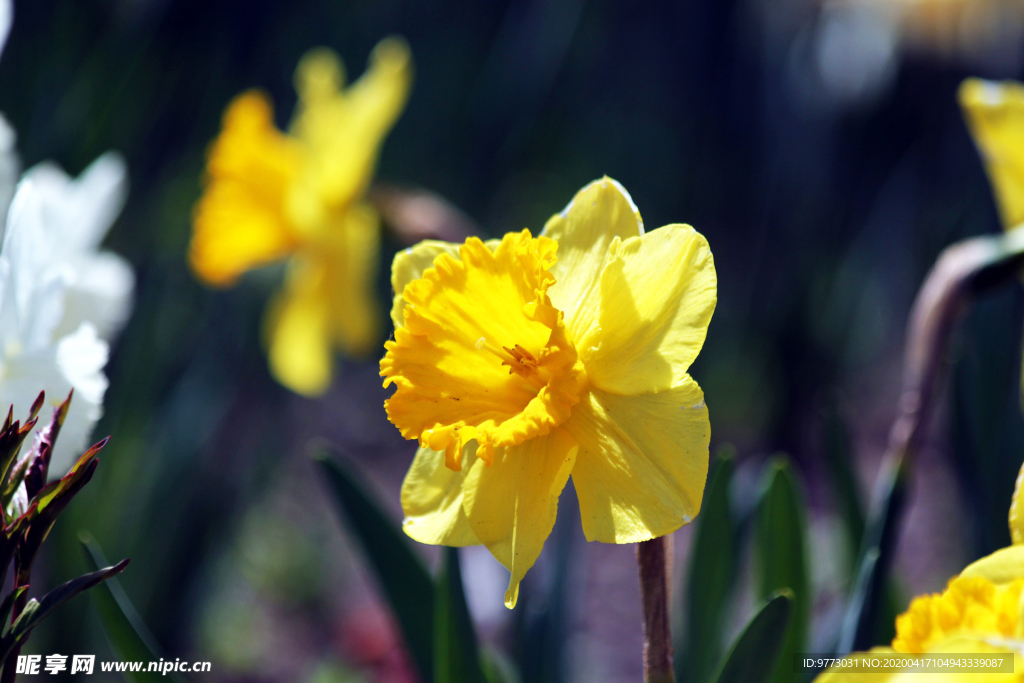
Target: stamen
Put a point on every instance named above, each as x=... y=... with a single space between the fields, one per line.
x=519 y=361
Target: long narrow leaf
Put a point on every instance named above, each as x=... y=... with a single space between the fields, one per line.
x=497 y=668
x=843 y=478
x=781 y=556
x=456 y=653
x=544 y=607
x=129 y=637
x=757 y=651
x=403 y=579
x=868 y=598
x=709 y=578
x=37 y=610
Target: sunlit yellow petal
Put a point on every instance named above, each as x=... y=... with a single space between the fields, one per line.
x=658 y=292
x=239 y=221
x=351 y=250
x=995 y=117
x=343 y=129
x=1017 y=510
x=1002 y=566
x=483 y=354
x=299 y=328
x=432 y=500
x=599 y=213
x=512 y=504
x=642 y=463
x=409 y=265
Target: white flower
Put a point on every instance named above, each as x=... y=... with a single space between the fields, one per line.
x=42 y=270
x=61 y=299
x=76 y=215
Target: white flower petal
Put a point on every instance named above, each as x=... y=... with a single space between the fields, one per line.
x=9 y=166
x=81 y=210
x=75 y=362
x=100 y=292
x=32 y=295
x=76 y=215
x=6 y=17
x=80 y=358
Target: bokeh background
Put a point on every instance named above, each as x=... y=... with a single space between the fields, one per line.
x=818 y=145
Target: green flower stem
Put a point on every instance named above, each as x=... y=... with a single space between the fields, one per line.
x=652 y=557
x=962 y=272
x=11 y=664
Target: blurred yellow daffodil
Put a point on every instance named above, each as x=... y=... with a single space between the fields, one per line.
x=521 y=361
x=980 y=611
x=271 y=196
x=995 y=117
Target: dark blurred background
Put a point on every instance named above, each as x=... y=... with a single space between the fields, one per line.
x=818 y=145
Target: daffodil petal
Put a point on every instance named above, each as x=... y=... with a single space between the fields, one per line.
x=351 y=278
x=432 y=499
x=585 y=229
x=299 y=328
x=995 y=117
x=512 y=504
x=1017 y=510
x=642 y=461
x=239 y=221
x=658 y=293
x=343 y=129
x=410 y=265
x=1002 y=566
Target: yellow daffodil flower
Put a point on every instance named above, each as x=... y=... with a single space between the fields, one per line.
x=521 y=361
x=271 y=196
x=995 y=117
x=981 y=611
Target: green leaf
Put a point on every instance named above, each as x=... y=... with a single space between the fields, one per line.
x=497 y=667
x=709 y=577
x=37 y=610
x=843 y=478
x=867 y=603
x=405 y=582
x=8 y=606
x=128 y=635
x=456 y=654
x=756 y=653
x=781 y=555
